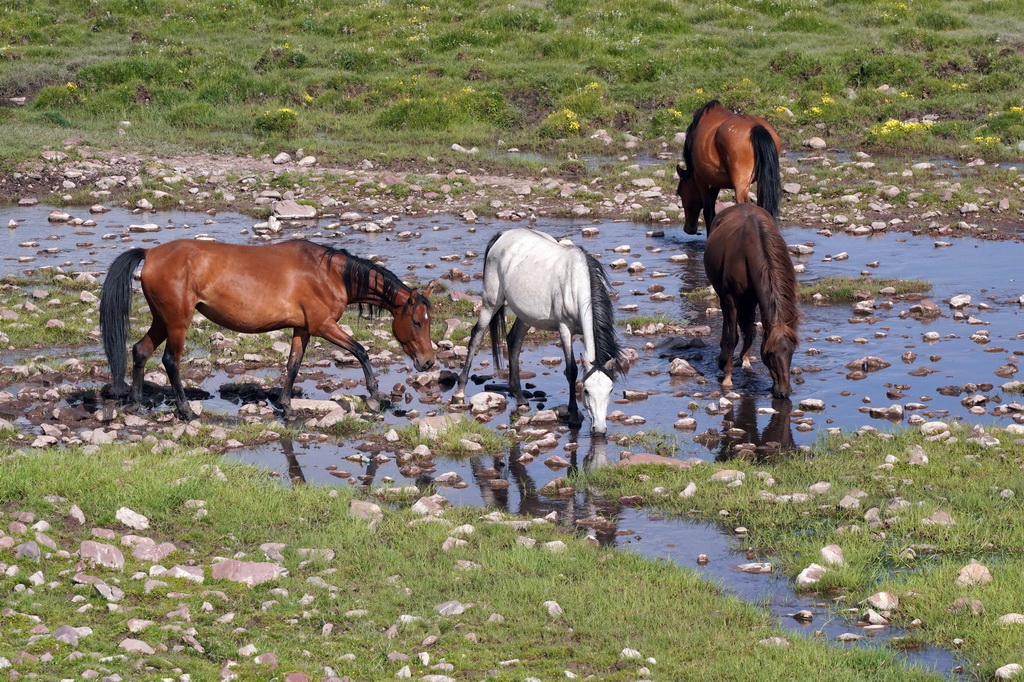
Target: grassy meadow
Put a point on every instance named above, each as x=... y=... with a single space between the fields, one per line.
x=399 y=81
x=360 y=598
x=875 y=495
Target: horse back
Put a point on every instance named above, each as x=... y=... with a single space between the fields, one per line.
x=540 y=279
x=746 y=258
x=208 y=262
x=733 y=250
x=242 y=287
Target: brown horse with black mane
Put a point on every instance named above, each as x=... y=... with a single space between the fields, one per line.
x=726 y=150
x=253 y=289
x=749 y=266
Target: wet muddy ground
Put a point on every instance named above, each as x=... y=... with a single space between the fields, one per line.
x=955 y=372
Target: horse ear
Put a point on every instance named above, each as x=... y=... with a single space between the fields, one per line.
x=680 y=169
x=616 y=365
x=429 y=290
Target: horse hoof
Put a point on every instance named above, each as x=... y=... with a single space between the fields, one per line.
x=377 y=403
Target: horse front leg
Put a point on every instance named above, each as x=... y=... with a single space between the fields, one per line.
x=515 y=347
x=172 y=362
x=571 y=372
x=728 y=345
x=333 y=333
x=300 y=337
x=475 y=337
x=709 y=196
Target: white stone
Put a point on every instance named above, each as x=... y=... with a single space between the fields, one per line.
x=1008 y=671
x=883 y=601
x=833 y=554
x=132 y=519
x=810 y=575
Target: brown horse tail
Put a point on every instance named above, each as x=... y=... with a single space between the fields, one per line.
x=780 y=309
x=766 y=168
x=115 y=303
x=499 y=330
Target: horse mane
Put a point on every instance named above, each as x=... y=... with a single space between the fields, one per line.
x=606 y=342
x=357 y=276
x=688 y=142
x=780 y=310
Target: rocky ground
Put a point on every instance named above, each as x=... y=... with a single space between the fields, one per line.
x=824 y=188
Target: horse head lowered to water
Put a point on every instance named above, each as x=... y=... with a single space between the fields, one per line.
x=749 y=266
x=253 y=289
x=726 y=150
x=555 y=287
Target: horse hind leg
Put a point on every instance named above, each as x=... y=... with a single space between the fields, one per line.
x=300 y=337
x=141 y=352
x=172 y=364
x=728 y=345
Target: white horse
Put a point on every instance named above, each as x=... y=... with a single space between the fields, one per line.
x=555 y=287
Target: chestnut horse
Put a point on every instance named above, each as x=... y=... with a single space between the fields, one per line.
x=726 y=150
x=749 y=266
x=253 y=289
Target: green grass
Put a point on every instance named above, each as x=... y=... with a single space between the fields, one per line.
x=961 y=478
x=842 y=289
x=610 y=599
x=656 y=442
x=410 y=78
x=40 y=301
x=637 y=321
x=451 y=439
x=848 y=289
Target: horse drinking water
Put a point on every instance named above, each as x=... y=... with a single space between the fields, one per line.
x=554 y=287
x=254 y=289
x=749 y=266
x=726 y=150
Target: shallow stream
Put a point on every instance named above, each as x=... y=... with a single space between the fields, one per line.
x=831 y=338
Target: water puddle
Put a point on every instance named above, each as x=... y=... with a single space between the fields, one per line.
x=833 y=339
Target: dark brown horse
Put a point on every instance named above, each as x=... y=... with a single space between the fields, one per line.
x=726 y=150
x=253 y=289
x=749 y=266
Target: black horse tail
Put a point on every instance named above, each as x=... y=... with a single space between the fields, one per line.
x=115 y=301
x=499 y=330
x=766 y=168
x=498 y=324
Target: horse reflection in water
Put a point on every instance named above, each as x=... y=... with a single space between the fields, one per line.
x=776 y=438
x=577 y=510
